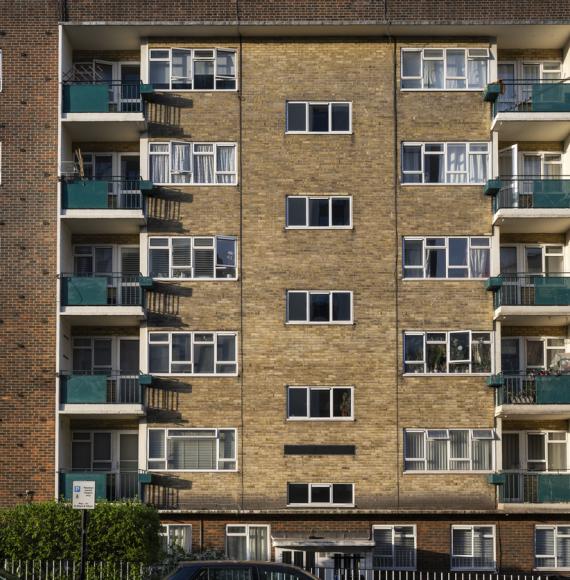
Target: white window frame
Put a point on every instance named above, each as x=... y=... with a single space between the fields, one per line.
x=420 y=77
x=308 y=306
x=311 y=485
x=473 y=556
x=216 y=436
x=172 y=546
x=308 y=104
x=557 y=534
x=443 y=434
x=215 y=239
x=307 y=198
x=445 y=247
x=393 y=530
x=420 y=172
x=192 y=145
x=193 y=60
x=331 y=390
x=191 y=361
x=245 y=534
x=448 y=334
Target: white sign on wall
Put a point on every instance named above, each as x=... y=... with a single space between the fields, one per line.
x=83 y=494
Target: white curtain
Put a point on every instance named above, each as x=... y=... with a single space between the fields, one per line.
x=225 y=162
x=455 y=68
x=258 y=543
x=477 y=73
x=436 y=455
x=479 y=258
x=204 y=164
x=456 y=163
x=477 y=167
x=181 y=165
x=159 y=165
x=482 y=454
x=433 y=74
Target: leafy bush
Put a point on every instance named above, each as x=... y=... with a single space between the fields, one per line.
x=125 y=531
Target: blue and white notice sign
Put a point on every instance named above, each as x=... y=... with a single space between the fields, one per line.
x=83 y=496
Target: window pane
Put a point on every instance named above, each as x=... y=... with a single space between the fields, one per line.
x=434 y=168
x=413 y=250
x=226 y=348
x=411 y=63
x=180 y=347
x=461 y=542
x=479 y=262
x=320 y=494
x=296 y=211
x=535 y=353
x=340 y=212
x=226 y=63
x=258 y=542
x=158 y=358
x=342 y=404
x=204 y=74
x=319 y=310
x=342 y=493
x=236 y=547
x=318 y=118
x=340 y=116
x=159 y=74
x=436 y=454
x=203 y=358
x=458 y=251
x=477 y=73
x=159 y=263
x=296 y=117
x=297 y=306
x=320 y=401
x=319 y=212
x=411 y=158
x=341 y=310
x=436 y=358
x=435 y=266
x=459 y=346
x=433 y=74
x=225 y=257
x=455 y=68
x=298 y=493
x=297 y=403
x=456 y=163
x=414 y=347
x=181 y=69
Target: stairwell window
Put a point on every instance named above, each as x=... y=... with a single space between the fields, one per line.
x=447 y=257
x=192 y=449
x=394 y=547
x=473 y=548
x=444 y=69
x=437 y=163
x=448 y=352
x=438 y=450
x=186 y=163
x=180 y=257
x=319 y=307
x=192 y=69
x=319 y=212
x=552 y=547
x=320 y=403
x=320 y=494
x=192 y=353
x=319 y=117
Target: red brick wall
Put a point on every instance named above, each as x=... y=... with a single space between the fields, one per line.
x=28 y=132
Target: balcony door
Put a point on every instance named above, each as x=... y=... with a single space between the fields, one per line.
x=129 y=195
x=128 y=385
x=128 y=464
x=510 y=355
x=506 y=73
x=130 y=75
x=508 y=172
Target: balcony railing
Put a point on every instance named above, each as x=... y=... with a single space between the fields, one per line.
x=103 y=96
x=533 y=96
x=533 y=192
x=109 y=485
x=528 y=487
x=110 y=193
x=101 y=290
x=531 y=289
x=534 y=389
x=103 y=388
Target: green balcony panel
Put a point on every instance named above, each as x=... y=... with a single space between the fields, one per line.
x=492 y=187
x=551 y=193
x=491 y=92
x=145 y=477
x=66 y=483
x=493 y=283
x=495 y=381
x=550 y=98
x=85 y=194
x=145 y=185
x=146 y=89
x=86 y=98
x=145 y=380
x=84 y=291
x=552 y=291
x=553 y=488
x=145 y=281
x=85 y=389
x=496 y=479
x=553 y=390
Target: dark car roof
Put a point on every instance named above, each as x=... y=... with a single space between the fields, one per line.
x=242 y=563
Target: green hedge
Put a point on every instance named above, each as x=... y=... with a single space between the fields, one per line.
x=126 y=531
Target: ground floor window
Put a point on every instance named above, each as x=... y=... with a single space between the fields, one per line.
x=176 y=538
x=247 y=542
x=552 y=547
x=473 y=548
x=394 y=547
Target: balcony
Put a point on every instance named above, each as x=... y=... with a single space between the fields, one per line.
x=97 y=110
x=532 y=204
x=531 y=110
x=103 y=394
x=109 y=485
x=533 y=396
x=114 y=205
x=534 y=488
x=531 y=299
x=103 y=299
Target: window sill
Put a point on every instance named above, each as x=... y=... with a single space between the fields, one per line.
x=196 y=279
x=318 y=132
x=460 y=184
x=447 y=374
x=196 y=184
x=446 y=472
x=155 y=374
x=445 y=279
x=318 y=228
x=193 y=470
x=295 y=323
x=196 y=90
x=494 y=570
x=320 y=419
x=422 y=90
x=321 y=505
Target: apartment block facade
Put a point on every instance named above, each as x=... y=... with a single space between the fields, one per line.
x=294 y=273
